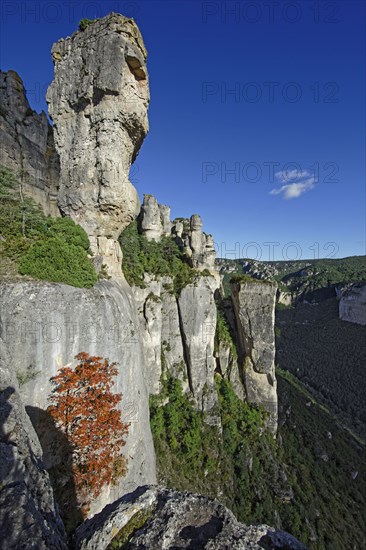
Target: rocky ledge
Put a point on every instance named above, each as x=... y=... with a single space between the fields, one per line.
x=161 y=519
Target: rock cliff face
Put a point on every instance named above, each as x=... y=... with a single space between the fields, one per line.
x=197 y=315
x=45 y=325
x=178 y=335
x=27 y=145
x=98 y=103
x=178 y=332
x=254 y=306
x=352 y=303
x=28 y=514
x=198 y=246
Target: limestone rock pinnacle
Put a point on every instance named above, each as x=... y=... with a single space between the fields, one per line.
x=98 y=102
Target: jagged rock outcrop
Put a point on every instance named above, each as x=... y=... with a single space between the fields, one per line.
x=254 y=306
x=285 y=298
x=28 y=513
x=98 y=102
x=155 y=219
x=197 y=245
x=27 y=145
x=178 y=332
x=352 y=303
x=166 y=520
x=44 y=325
x=165 y=219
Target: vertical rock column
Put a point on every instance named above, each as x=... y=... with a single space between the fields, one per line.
x=154 y=219
x=98 y=102
x=254 y=306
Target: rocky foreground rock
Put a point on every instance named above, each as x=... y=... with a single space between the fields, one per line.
x=167 y=520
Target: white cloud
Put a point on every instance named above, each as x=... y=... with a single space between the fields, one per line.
x=303 y=183
x=292 y=175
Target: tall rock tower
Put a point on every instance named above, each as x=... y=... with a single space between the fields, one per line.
x=98 y=102
x=254 y=308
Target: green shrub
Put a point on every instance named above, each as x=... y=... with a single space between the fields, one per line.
x=54 y=259
x=84 y=23
x=69 y=231
x=222 y=334
x=52 y=249
x=15 y=246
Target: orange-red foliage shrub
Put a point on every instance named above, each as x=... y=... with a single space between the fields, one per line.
x=84 y=408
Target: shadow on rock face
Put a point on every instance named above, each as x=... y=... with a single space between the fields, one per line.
x=28 y=517
x=200 y=535
x=5 y=410
x=57 y=458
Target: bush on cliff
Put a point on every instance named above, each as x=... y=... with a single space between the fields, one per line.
x=53 y=259
x=84 y=23
x=69 y=231
x=46 y=248
x=20 y=217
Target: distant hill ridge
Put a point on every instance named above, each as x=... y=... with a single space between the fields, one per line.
x=298 y=277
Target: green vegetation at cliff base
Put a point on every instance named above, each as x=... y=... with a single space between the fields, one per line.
x=195 y=456
x=310 y=481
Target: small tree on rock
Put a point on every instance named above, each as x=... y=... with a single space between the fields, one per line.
x=85 y=410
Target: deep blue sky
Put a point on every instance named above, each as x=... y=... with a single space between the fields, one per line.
x=312 y=53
